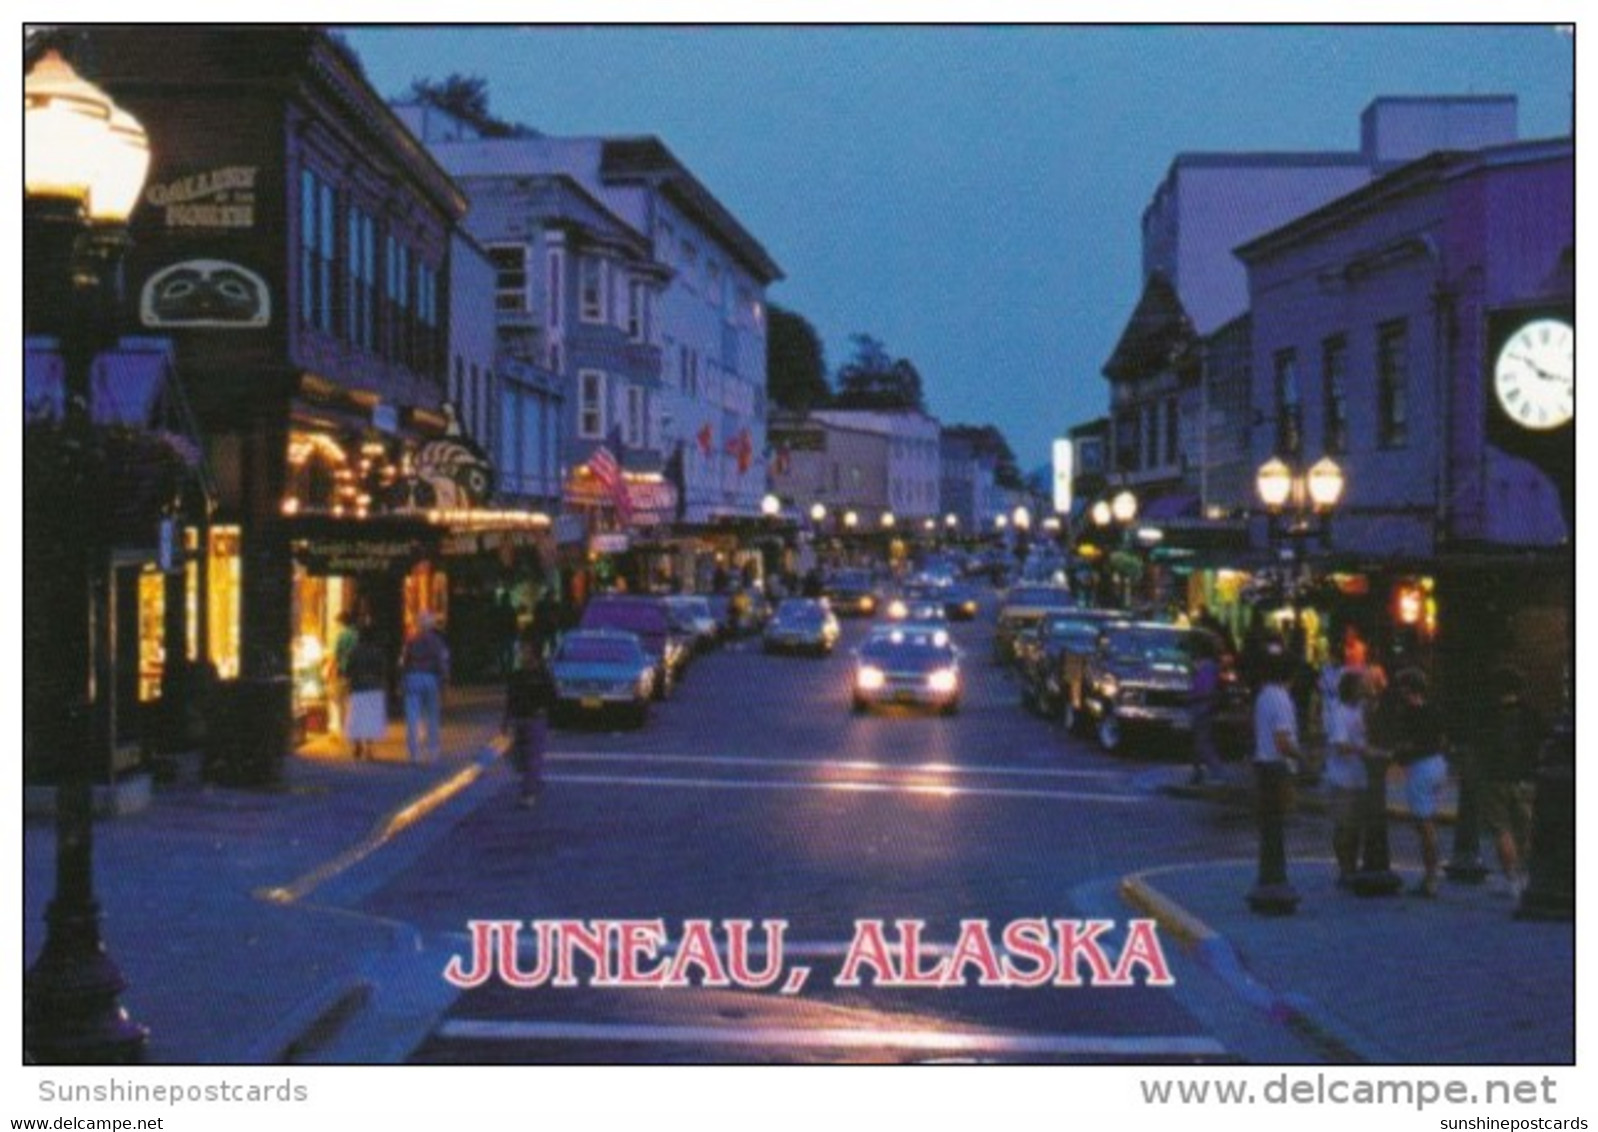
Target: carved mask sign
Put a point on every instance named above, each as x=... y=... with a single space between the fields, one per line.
x=210 y=293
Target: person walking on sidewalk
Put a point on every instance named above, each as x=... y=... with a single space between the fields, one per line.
x=1506 y=765
x=1413 y=731
x=424 y=670
x=367 y=673
x=338 y=677
x=529 y=695
x=1206 y=691
x=1276 y=754
x=1346 y=750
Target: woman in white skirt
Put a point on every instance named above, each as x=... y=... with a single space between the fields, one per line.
x=367 y=673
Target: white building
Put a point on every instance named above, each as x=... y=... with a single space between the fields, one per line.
x=709 y=320
x=915 y=464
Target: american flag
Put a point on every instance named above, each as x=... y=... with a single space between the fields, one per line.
x=607 y=470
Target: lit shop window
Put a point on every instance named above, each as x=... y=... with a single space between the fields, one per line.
x=152 y=634
x=224 y=575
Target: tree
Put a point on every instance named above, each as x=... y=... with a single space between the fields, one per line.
x=874 y=380
x=466 y=97
x=796 y=367
x=986 y=440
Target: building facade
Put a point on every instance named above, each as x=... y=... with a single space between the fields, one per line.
x=295 y=246
x=842 y=467
x=914 y=467
x=700 y=304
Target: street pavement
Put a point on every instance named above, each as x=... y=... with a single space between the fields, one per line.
x=304 y=923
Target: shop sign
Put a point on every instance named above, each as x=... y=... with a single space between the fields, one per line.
x=611 y=543
x=212 y=293
x=215 y=199
x=341 y=556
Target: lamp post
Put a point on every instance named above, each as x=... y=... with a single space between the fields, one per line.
x=1114 y=515
x=770 y=506
x=85 y=160
x=1298 y=503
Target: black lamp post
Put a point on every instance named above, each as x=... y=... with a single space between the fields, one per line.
x=85 y=163
x=1299 y=504
x=1114 y=515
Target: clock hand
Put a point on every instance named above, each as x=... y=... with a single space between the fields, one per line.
x=1563 y=379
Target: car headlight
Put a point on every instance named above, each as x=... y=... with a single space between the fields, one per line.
x=897 y=610
x=870 y=679
x=944 y=680
x=969 y=607
x=868 y=603
x=1109 y=685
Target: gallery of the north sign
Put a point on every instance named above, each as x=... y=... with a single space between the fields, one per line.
x=217 y=198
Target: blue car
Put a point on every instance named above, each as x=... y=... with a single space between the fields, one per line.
x=601 y=672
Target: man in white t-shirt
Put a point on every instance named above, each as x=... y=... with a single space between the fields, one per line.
x=1276 y=754
x=1346 y=750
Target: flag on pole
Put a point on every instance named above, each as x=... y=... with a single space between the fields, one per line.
x=607 y=470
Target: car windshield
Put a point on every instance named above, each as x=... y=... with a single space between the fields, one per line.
x=635 y=617
x=919 y=650
x=799 y=613
x=1073 y=630
x=1047 y=596
x=598 y=650
x=1151 y=646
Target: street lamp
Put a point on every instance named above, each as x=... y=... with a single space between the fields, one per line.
x=1123 y=508
x=851 y=520
x=770 y=506
x=951 y=520
x=818 y=513
x=888 y=520
x=1116 y=512
x=1299 y=502
x=1022 y=518
x=84 y=164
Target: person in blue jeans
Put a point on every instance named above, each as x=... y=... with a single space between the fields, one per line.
x=424 y=673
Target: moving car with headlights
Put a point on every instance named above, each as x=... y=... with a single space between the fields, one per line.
x=914 y=664
x=1026 y=605
x=910 y=606
x=960 y=601
x=1140 y=679
x=650 y=620
x=600 y=672
x=1051 y=684
x=852 y=593
x=802 y=624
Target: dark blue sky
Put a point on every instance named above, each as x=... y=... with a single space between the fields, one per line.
x=969 y=195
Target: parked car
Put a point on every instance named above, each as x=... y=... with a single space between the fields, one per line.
x=802 y=624
x=602 y=671
x=692 y=616
x=1049 y=682
x=911 y=664
x=650 y=620
x=1140 y=678
x=1023 y=606
x=852 y=593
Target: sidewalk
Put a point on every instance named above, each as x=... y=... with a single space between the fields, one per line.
x=208 y=897
x=1396 y=979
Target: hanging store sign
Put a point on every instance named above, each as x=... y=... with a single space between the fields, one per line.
x=215 y=199
x=210 y=293
x=324 y=557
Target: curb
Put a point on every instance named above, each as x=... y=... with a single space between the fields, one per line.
x=1307 y=801
x=1216 y=953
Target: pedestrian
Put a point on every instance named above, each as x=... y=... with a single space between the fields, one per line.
x=338 y=687
x=1510 y=740
x=1347 y=747
x=424 y=668
x=1412 y=730
x=529 y=695
x=1276 y=754
x=1206 y=691
x=368 y=696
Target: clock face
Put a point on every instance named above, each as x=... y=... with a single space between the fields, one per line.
x=1535 y=375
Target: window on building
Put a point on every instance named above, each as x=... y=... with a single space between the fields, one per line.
x=457 y=383
x=360 y=328
x=1127 y=435
x=1392 y=384
x=635 y=310
x=1151 y=435
x=1288 y=418
x=510 y=276
x=554 y=358
x=591 y=404
x=1173 y=432
x=591 y=289
x=430 y=337
x=510 y=438
x=636 y=427
x=318 y=241
x=1334 y=387
x=557 y=287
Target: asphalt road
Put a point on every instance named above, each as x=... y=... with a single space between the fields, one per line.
x=755 y=794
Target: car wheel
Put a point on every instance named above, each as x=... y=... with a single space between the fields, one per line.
x=1111 y=735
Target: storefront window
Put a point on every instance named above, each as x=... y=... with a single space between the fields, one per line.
x=318 y=601
x=152 y=614
x=223 y=578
